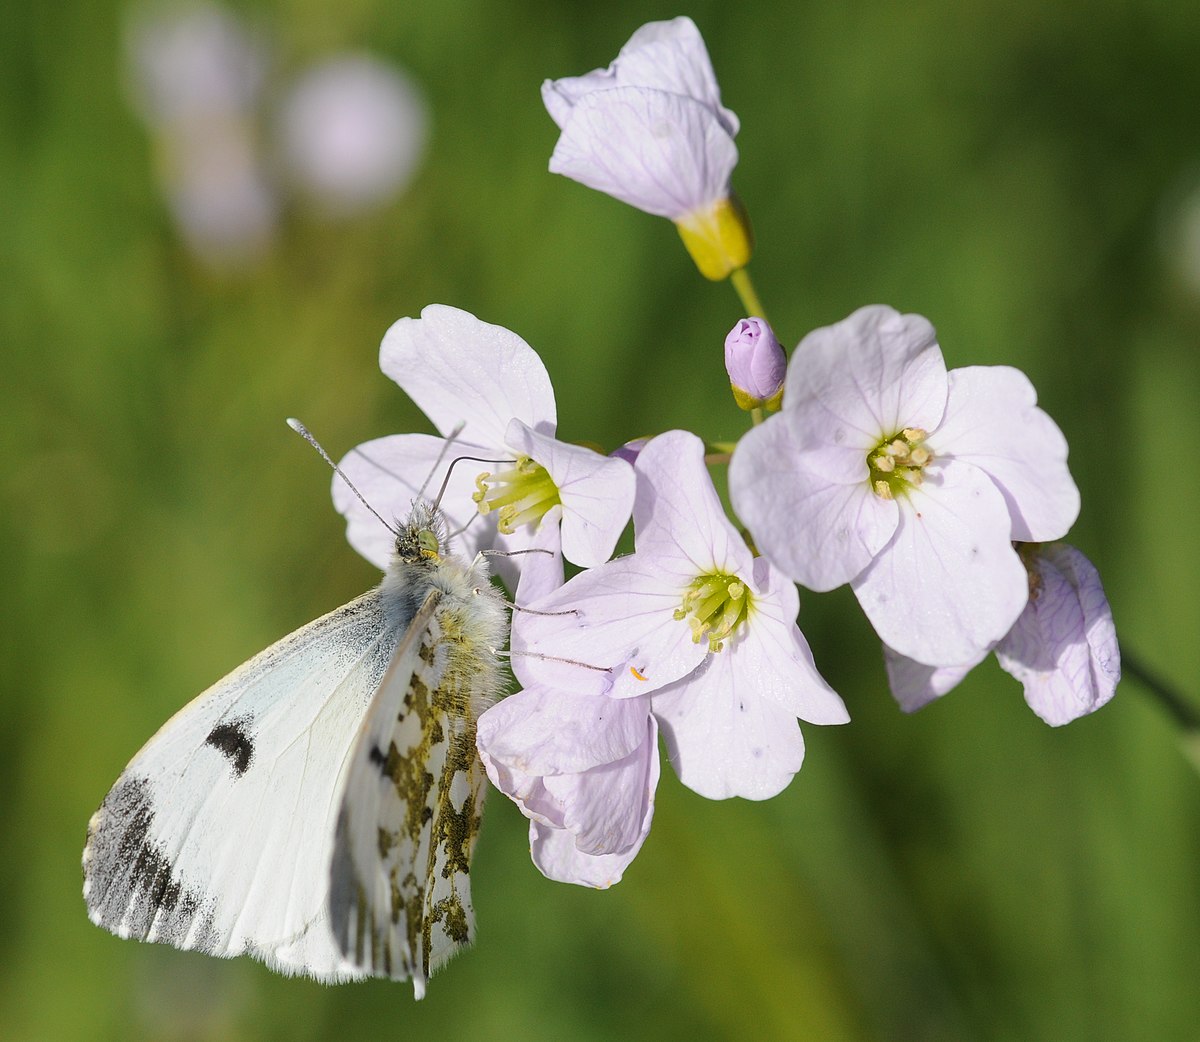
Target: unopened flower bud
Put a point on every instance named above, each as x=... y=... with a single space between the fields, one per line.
x=756 y=365
x=718 y=237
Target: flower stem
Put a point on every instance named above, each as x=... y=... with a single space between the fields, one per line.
x=1184 y=713
x=745 y=291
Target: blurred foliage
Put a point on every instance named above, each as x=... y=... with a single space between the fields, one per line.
x=1015 y=171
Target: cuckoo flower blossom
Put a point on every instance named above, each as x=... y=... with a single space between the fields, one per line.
x=490 y=387
x=582 y=767
x=907 y=481
x=650 y=130
x=693 y=620
x=1063 y=648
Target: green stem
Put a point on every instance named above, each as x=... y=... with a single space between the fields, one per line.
x=1183 y=712
x=1186 y=715
x=745 y=291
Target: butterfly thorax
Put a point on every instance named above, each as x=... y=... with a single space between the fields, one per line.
x=470 y=612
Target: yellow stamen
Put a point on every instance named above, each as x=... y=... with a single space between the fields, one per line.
x=895 y=465
x=716 y=605
x=522 y=494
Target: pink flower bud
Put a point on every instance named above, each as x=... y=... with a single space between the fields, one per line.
x=756 y=364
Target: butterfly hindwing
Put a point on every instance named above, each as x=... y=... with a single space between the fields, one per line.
x=219 y=833
x=382 y=829
x=401 y=901
x=401 y=892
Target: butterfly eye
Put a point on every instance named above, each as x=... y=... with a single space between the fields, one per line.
x=427 y=542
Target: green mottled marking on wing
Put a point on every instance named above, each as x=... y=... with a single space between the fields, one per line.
x=449 y=917
x=412 y=810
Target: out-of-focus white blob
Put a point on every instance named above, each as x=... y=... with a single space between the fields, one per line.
x=352 y=132
x=195 y=76
x=224 y=207
x=190 y=61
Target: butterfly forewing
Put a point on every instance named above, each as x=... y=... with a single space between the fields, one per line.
x=219 y=833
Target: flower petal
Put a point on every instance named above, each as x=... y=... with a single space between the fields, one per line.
x=818 y=532
x=915 y=685
x=542 y=571
x=557 y=857
x=607 y=806
x=390 y=472
x=775 y=655
x=671 y=56
x=677 y=517
x=596 y=492
x=1063 y=648
x=668 y=56
x=544 y=732
x=620 y=618
x=992 y=421
x=663 y=153
x=725 y=740
x=949 y=584
x=527 y=791
x=461 y=370
x=860 y=380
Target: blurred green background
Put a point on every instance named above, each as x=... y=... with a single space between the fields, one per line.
x=1024 y=174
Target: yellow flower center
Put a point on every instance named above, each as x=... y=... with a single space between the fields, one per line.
x=521 y=494
x=715 y=605
x=896 y=463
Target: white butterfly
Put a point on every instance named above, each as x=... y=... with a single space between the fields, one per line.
x=318 y=807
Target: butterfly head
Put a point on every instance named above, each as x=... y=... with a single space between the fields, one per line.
x=423 y=536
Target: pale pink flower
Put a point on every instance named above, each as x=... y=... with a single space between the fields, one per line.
x=911 y=483
x=583 y=768
x=1063 y=647
x=650 y=129
x=489 y=386
x=696 y=622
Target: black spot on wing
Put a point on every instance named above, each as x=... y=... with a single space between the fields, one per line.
x=232 y=738
x=385 y=763
x=130 y=885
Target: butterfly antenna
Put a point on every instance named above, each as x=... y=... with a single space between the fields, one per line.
x=464 y=459
x=450 y=439
x=304 y=432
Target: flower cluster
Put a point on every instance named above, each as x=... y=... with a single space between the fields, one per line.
x=940 y=495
